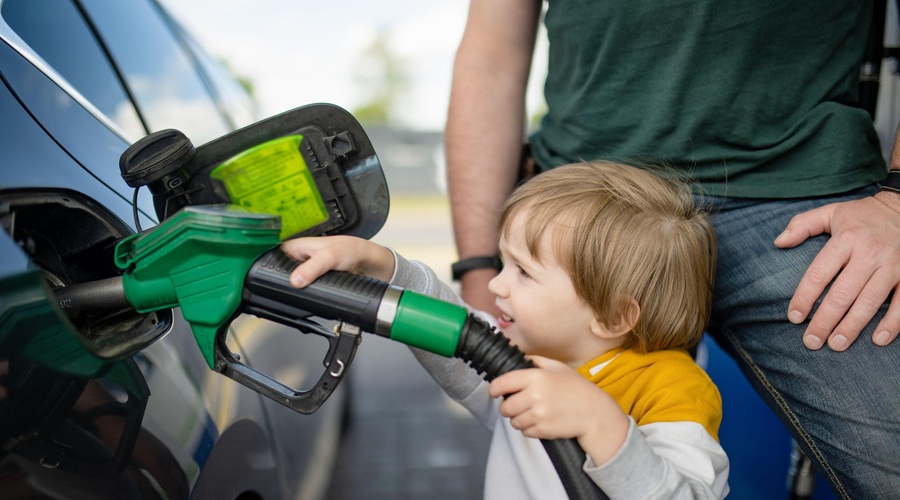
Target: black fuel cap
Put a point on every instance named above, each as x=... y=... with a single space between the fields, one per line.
x=155 y=157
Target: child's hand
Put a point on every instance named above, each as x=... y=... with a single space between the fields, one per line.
x=321 y=254
x=556 y=402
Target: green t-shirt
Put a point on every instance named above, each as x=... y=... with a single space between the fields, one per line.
x=746 y=98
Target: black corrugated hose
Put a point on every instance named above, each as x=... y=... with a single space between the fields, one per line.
x=493 y=355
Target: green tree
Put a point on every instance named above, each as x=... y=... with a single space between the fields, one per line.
x=382 y=78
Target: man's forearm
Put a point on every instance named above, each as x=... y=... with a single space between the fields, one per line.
x=485 y=122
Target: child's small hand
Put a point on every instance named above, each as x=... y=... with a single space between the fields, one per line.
x=556 y=402
x=321 y=254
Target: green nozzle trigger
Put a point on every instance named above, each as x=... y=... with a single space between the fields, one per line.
x=196 y=260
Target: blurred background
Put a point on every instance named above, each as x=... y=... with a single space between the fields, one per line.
x=389 y=63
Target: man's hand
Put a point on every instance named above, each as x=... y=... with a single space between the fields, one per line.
x=861 y=261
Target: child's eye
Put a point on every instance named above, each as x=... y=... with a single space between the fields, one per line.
x=522 y=272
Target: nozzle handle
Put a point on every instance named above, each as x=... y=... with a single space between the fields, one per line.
x=351 y=300
x=343 y=342
x=372 y=305
x=336 y=295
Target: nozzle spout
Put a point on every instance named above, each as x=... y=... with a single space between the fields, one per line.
x=106 y=295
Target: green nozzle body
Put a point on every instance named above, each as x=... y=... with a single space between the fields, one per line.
x=196 y=260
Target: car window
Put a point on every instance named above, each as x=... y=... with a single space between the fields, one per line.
x=159 y=74
x=57 y=32
x=48 y=139
x=237 y=101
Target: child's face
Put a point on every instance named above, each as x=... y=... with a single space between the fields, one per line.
x=542 y=314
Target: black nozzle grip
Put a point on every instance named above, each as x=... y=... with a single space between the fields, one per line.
x=336 y=295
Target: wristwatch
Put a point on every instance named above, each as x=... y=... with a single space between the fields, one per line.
x=457 y=269
x=891 y=182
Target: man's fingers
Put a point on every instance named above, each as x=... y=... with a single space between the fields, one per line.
x=858 y=266
x=864 y=308
x=823 y=269
x=889 y=326
x=841 y=297
x=805 y=225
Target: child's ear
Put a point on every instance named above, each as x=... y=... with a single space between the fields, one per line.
x=625 y=319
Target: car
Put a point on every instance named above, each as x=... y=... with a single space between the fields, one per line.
x=80 y=81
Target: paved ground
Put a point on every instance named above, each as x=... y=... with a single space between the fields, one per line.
x=405 y=439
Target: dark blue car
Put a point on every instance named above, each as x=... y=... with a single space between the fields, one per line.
x=80 y=80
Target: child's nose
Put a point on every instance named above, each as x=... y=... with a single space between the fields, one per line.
x=497 y=285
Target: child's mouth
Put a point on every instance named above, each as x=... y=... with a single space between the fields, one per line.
x=505 y=321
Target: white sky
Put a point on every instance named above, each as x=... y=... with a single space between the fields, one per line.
x=298 y=52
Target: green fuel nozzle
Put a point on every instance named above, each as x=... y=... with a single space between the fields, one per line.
x=216 y=262
x=196 y=260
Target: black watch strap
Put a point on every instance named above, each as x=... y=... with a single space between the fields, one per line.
x=457 y=269
x=891 y=182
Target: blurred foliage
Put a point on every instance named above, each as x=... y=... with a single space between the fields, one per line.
x=376 y=112
x=244 y=81
x=247 y=84
x=382 y=78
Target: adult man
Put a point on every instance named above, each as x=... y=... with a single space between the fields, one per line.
x=756 y=102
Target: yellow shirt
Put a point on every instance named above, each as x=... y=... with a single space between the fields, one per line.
x=661 y=386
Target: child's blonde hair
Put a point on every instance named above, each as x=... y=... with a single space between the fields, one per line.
x=622 y=234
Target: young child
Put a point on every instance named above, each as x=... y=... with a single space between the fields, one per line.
x=606 y=285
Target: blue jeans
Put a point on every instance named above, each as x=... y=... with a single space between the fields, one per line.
x=842 y=407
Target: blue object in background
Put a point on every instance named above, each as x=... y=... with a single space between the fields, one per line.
x=757 y=444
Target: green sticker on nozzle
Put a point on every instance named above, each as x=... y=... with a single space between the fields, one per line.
x=273 y=178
